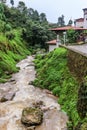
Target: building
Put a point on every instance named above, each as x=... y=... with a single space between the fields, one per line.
x=52 y=44
x=79 y=22
x=61 y=31
x=80 y=26
x=85 y=18
x=82 y=22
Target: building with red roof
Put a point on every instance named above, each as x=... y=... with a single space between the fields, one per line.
x=52 y=44
x=82 y=22
x=65 y=28
x=79 y=22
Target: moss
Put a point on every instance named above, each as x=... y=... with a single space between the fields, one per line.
x=77 y=65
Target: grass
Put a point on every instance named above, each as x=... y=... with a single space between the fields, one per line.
x=53 y=74
x=11 y=51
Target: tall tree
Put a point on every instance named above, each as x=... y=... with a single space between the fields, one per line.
x=2 y=15
x=70 y=22
x=21 y=6
x=61 y=21
x=36 y=15
x=12 y=2
x=43 y=17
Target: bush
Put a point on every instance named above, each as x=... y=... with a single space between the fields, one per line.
x=8 y=27
x=72 y=36
x=10 y=35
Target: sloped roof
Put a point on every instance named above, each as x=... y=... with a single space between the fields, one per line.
x=80 y=20
x=67 y=28
x=52 y=42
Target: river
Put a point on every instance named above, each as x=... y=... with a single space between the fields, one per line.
x=25 y=96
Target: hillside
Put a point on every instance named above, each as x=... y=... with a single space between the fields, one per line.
x=22 y=29
x=11 y=51
x=53 y=74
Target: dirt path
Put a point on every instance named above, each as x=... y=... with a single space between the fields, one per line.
x=25 y=96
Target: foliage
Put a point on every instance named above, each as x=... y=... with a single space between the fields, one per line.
x=21 y=30
x=35 y=24
x=53 y=74
x=7 y=27
x=82 y=100
x=70 y=22
x=2 y=15
x=72 y=36
x=12 y=2
x=10 y=35
x=11 y=51
x=61 y=21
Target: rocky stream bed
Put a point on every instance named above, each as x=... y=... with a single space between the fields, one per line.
x=17 y=94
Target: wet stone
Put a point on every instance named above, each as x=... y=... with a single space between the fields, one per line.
x=31 y=128
x=32 y=116
x=9 y=96
x=38 y=104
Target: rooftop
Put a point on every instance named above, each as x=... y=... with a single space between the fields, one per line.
x=52 y=42
x=79 y=20
x=67 y=28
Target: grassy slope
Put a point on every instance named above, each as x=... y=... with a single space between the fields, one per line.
x=11 y=51
x=53 y=74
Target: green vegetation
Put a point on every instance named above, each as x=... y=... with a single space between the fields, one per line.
x=72 y=36
x=53 y=74
x=11 y=51
x=22 y=29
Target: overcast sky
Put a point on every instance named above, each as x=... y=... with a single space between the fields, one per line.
x=71 y=9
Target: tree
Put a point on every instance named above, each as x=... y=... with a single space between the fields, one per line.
x=61 y=21
x=43 y=17
x=70 y=22
x=12 y=2
x=72 y=36
x=21 y=6
x=2 y=15
x=35 y=15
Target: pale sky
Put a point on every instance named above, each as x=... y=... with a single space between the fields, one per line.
x=71 y=9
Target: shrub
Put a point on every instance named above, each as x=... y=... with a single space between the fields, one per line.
x=72 y=36
x=8 y=27
x=10 y=35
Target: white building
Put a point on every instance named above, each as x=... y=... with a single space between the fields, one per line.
x=82 y=22
x=52 y=45
x=79 y=22
x=85 y=17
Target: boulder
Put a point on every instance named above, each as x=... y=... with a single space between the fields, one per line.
x=32 y=116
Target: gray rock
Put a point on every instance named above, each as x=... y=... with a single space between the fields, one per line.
x=38 y=104
x=9 y=96
x=32 y=116
x=31 y=128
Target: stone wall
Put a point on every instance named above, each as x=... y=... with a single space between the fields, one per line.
x=77 y=64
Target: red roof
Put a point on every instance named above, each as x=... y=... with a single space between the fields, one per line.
x=79 y=20
x=67 y=28
x=53 y=42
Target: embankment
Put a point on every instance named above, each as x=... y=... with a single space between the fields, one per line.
x=62 y=71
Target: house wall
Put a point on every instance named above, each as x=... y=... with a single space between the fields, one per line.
x=85 y=21
x=79 y=24
x=52 y=47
